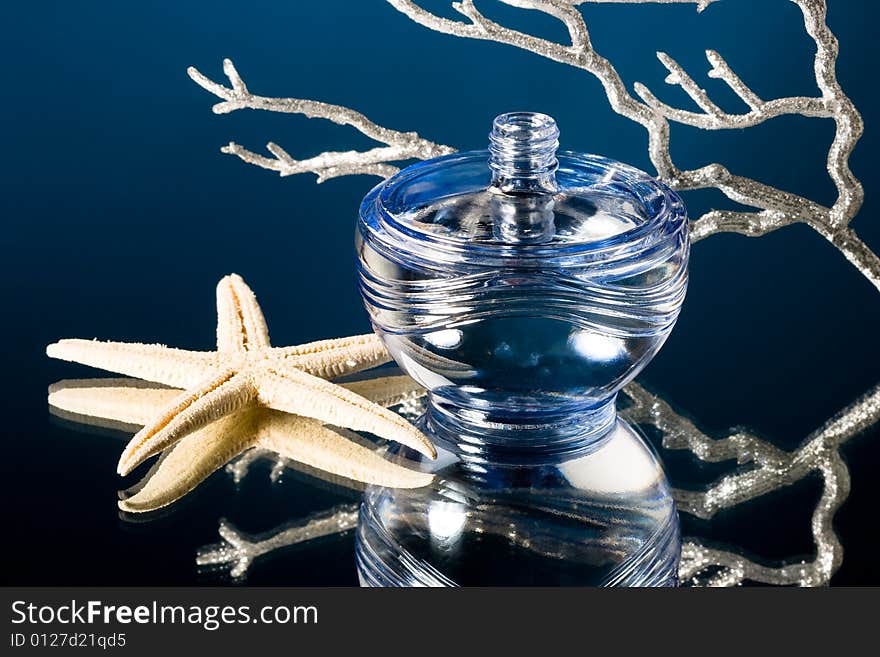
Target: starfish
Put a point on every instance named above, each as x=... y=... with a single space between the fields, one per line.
x=121 y=403
x=246 y=372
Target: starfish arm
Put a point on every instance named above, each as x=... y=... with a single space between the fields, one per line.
x=333 y=358
x=191 y=461
x=386 y=390
x=124 y=400
x=240 y=322
x=213 y=399
x=294 y=391
x=178 y=368
x=308 y=441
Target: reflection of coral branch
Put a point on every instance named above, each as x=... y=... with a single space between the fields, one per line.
x=240 y=467
x=735 y=568
x=700 y=565
x=238 y=551
x=398 y=145
x=774 y=469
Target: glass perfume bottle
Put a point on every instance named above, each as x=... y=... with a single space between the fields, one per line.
x=523 y=288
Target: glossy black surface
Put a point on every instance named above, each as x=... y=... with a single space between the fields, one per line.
x=119 y=216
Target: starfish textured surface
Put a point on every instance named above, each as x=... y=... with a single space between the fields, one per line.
x=124 y=402
x=246 y=372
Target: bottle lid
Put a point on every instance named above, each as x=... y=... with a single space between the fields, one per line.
x=523 y=202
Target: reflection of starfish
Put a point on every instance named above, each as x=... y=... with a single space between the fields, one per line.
x=199 y=454
x=246 y=372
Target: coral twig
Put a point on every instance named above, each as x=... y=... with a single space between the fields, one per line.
x=398 y=145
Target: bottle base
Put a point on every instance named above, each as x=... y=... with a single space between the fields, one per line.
x=523 y=438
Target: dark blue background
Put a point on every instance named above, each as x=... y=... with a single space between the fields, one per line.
x=120 y=215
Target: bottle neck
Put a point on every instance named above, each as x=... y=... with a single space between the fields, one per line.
x=522 y=153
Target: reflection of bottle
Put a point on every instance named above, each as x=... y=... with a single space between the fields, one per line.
x=602 y=519
x=523 y=288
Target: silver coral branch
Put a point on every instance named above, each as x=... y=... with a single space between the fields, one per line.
x=713 y=117
x=774 y=208
x=736 y=568
x=398 y=145
x=701 y=4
